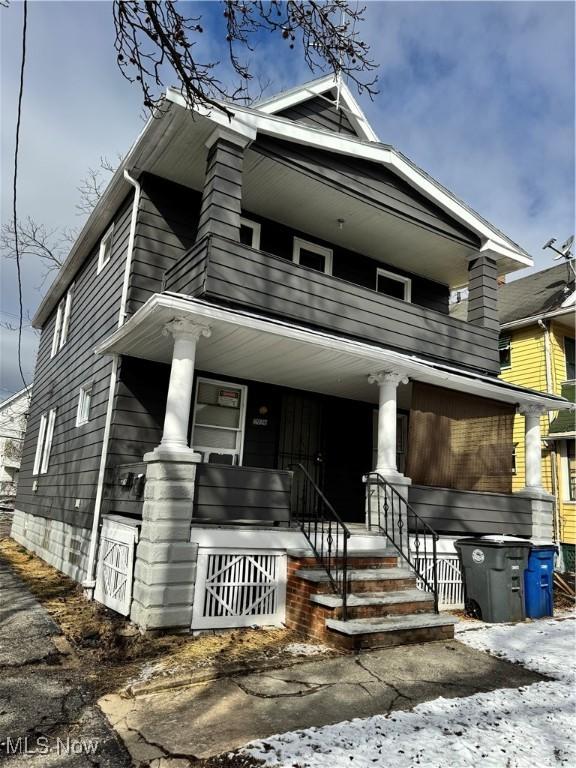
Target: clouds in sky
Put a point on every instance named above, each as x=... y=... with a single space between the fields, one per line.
x=479 y=94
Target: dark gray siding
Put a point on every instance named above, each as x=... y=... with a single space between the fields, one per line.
x=165 y=229
x=230 y=494
x=242 y=276
x=367 y=181
x=75 y=456
x=318 y=113
x=471 y=512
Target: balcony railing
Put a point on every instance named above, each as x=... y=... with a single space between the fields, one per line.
x=226 y=271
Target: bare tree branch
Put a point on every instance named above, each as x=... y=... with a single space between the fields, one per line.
x=49 y=246
x=155 y=41
x=93 y=185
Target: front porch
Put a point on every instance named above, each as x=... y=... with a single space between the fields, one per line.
x=252 y=404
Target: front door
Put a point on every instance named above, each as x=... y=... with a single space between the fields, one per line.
x=218 y=422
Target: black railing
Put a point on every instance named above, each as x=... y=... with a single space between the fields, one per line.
x=414 y=539
x=326 y=533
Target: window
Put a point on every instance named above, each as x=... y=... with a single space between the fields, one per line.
x=83 y=412
x=571 y=469
x=570 y=362
x=313 y=256
x=393 y=285
x=250 y=233
x=62 y=322
x=44 y=443
x=105 y=249
x=218 y=429
x=515 y=459
x=505 y=351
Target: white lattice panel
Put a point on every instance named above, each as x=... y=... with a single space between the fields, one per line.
x=239 y=589
x=450 y=587
x=114 y=575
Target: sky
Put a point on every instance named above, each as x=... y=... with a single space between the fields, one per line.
x=478 y=94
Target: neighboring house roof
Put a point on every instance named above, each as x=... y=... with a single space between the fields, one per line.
x=537 y=294
x=542 y=293
x=175 y=126
x=13 y=412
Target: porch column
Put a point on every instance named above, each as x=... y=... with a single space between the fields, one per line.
x=186 y=334
x=387 y=382
x=483 y=290
x=541 y=501
x=222 y=195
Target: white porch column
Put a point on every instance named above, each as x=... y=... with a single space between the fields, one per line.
x=387 y=382
x=533 y=449
x=186 y=334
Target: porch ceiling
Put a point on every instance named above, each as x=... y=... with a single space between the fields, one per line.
x=244 y=345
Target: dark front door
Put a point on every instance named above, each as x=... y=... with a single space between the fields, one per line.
x=302 y=442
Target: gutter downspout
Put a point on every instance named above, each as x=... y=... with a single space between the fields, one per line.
x=553 y=458
x=90 y=581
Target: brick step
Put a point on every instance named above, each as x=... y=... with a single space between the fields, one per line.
x=361 y=634
x=356 y=559
x=377 y=604
x=363 y=579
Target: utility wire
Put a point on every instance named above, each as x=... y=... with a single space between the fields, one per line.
x=15 y=192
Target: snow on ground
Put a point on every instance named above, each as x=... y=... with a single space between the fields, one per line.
x=528 y=727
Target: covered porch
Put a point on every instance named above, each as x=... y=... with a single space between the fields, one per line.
x=369 y=413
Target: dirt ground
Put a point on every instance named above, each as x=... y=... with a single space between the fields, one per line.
x=115 y=653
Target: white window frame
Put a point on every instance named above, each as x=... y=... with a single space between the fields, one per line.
x=565 y=473
x=256 y=230
x=104 y=242
x=405 y=281
x=321 y=250
x=44 y=444
x=240 y=430
x=62 y=323
x=84 y=404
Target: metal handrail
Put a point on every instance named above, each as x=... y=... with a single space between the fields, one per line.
x=327 y=535
x=399 y=521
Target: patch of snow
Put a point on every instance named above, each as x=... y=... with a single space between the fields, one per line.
x=509 y=728
x=306 y=649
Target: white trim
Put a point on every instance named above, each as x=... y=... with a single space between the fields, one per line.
x=66 y=320
x=240 y=430
x=105 y=250
x=48 y=442
x=301 y=244
x=406 y=282
x=484 y=386
x=256 y=228
x=40 y=444
x=521 y=322
x=56 y=334
x=565 y=482
x=84 y=403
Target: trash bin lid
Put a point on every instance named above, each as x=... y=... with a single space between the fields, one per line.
x=494 y=540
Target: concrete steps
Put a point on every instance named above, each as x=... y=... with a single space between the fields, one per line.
x=384 y=607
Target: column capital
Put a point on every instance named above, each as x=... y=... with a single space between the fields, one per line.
x=242 y=137
x=532 y=409
x=186 y=328
x=388 y=377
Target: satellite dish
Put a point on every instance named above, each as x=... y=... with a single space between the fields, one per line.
x=566 y=248
x=549 y=243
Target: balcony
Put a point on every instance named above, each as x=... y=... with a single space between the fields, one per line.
x=225 y=271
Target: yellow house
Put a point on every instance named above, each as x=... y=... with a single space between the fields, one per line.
x=537 y=351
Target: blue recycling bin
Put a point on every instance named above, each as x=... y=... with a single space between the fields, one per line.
x=539 y=581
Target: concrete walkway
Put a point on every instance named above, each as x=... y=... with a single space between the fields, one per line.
x=210 y=718
x=47 y=715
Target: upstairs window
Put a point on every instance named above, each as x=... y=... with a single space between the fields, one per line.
x=393 y=285
x=313 y=256
x=83 y=411
x=570 y=361
x=44 y=444
x=62 y=322
x=505 y=350
x=250 y=233
x=105 y=251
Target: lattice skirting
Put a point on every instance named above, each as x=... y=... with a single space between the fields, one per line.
x=239 y=588
x=450 y=586
x=115 y=572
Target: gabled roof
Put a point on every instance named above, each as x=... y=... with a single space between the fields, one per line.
x=537 y=294
x=324 y=88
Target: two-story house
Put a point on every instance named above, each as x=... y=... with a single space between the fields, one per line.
x=537 y=350
x=13 y=417
x=254 y=323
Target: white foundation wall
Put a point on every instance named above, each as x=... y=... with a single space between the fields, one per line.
x=61 y=545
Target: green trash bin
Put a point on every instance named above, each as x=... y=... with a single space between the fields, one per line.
x=493 y=573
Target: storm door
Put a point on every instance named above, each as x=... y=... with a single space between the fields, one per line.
x=218 y=426
x=301 y=442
